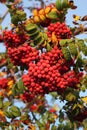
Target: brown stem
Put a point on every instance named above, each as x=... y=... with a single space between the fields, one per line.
x=1 y=19
x=80 y=30
x=33 y=116
x=13 y=74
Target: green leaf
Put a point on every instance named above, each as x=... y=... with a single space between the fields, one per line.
x=1 y=103
x=48 y=47
x=52 y=15
x=41 y=41
x=65 y=4
x=34 y=34
x=69 y=126
x=21 y=14
x=38 y=39
x=15 y=111
x=10 y=65
x=61 y=116
x=45 y=35
x=54 y=94
x=53 y=127
x=51 y=118
x=73 y=49
x=70 y=97
x=59 y=4
x=14 y=89
x=15 y=19
x=20 y=86
x=31 y=28
x=8 y=114
x=82 y=47
x=40 y=125
x=79 y=62
x=65 y=42
x=66 y=53
x=6 y=104
x=60 y=127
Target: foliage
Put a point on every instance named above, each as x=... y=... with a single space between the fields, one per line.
x=43 y=58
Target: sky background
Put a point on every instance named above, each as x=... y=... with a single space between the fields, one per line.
x=81 y=11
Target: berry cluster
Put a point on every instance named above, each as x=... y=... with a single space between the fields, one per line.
x=50 y=74
x=12 y=39
x=60 y=29
x=1 y=38
x=3 y=83
x=26 y=96
x=23 y=55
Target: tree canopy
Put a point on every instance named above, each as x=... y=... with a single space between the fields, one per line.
x=43 y=58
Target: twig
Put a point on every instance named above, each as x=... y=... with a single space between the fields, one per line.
x=1 y=19
x=33 y=116
x=80 y=30
x=12 y=72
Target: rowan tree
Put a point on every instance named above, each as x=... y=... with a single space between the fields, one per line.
x=43 y=58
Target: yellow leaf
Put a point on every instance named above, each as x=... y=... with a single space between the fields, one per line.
x=3 y=74
x=76 y=18
x=54 y=10
x=84 y=99
x=54 y=38
x=45 y=43
x=47 y=9
x=9 y=92
x=36 y=19
x=32 y=127
x=10 y=83
x=1 y=113
x=35 y=12
x=41 y=12
x=0 y=27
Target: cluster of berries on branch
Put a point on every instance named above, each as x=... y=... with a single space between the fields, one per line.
x=60 y=30
x=50 y=74
x=1 y=38
x=3 y=83
x=23 y=55
x=11 y=39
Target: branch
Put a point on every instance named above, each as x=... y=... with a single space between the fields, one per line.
x=13 y=74
x=80 y=30
x=33 y=116
x=1 y=19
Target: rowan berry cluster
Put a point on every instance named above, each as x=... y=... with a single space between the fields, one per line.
x=60 y=29
x=12 y=39
x=23 y=55
x=1 y=38
x=26 y=96
x=50 y=74
x=3 y=83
